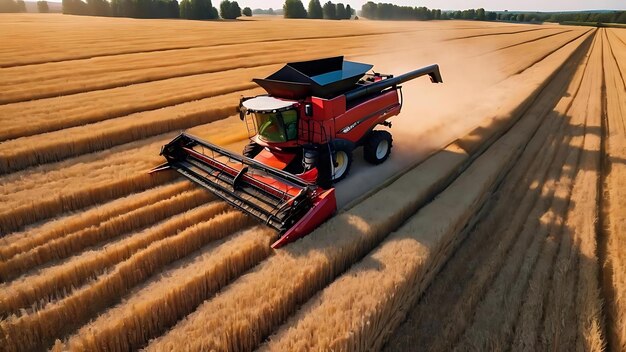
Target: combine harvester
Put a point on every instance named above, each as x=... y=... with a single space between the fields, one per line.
x=302 y=135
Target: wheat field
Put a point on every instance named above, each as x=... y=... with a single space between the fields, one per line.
x=500 y=215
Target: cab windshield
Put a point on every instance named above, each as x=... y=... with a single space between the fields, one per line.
x=277 y=127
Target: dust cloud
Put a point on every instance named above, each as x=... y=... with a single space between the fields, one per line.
x=433 y=115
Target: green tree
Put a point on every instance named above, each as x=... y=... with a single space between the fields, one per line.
x=480 y=14
x=116 y=8
x=340 y=13
x=315 y=9
x=203 y=10
x=21 y=6
x=294 y=9
x=349 y=12
x=98 y=7
x=330 y=11
x=185 y=9
x=229 y=10
x=247 y=11
x=42 y=6
x=174 y=9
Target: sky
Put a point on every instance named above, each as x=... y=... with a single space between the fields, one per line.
x=496 y=5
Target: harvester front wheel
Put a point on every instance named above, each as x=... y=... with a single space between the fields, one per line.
x=251 y=150
x=343 y=161
x=377 y=147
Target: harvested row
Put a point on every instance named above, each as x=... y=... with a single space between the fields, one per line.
x=511 y=283
x=543 y=49
x=100 y=73
x=74 y=141
x=79 y=109
x=513 y=60
x=613 y=216
x=20 y=153
x=101 y=38
x=52 y=281
x=511 y=280
x=115 y=71
x=92 y=179
x=515 y=269
x=19 y=242
x=75 y=242
x=39 y=329
x=526 y=192
x=247 y=310
x=574 y=272
x=75 y=184
x=92 y=107
x=360 y=309
x=162 y=302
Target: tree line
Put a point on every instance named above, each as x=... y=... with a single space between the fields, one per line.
x=329 y=11
x=187 y=9
x=384 y=11
x=560 y=17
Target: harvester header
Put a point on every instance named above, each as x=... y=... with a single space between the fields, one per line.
x=302 y=135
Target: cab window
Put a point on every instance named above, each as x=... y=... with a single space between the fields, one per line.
x=277 y=127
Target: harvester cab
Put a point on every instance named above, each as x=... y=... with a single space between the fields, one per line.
x=302 y=135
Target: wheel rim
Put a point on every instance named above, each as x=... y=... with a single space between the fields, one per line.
x=342 y=164
x=382 y=149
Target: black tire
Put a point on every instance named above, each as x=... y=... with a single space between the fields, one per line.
x=324 y=169
x=251 y=150
x=371 y=151
x=342 y=162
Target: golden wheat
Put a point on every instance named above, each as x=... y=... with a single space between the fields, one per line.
x=448 y=310
x=30 y=289
x=40 y=328
x=72 y=243
x=18 y=242
x=614 y=199
x=104 y=273
x=54 y=146
x=511 y=282
x=163 y=301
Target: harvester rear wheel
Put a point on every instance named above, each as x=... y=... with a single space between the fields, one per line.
x=251 y=150
x=377 y=147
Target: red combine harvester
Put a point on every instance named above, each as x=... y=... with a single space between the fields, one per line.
x=302 y=134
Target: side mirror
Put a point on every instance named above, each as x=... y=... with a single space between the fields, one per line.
x=308 y=110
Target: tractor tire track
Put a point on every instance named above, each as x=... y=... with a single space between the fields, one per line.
x=458 y=288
